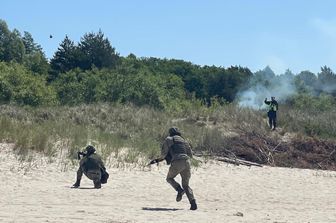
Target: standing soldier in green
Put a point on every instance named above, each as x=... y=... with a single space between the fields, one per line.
x=272 y=110
x=177 y=152
x=92 y=166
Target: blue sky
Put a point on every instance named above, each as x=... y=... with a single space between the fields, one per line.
x=284 y=34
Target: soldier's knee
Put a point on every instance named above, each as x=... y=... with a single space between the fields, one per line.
x=185 y=185
x=169 y=180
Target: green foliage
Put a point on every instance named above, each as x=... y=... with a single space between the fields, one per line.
x=91 y=71
x=34 y=58
x=23 y=50
x=70 y=88
x=128 y=133
x=312 y=103
x=263 y=77
x=125 y=85
x=96 y=50
x=37 y=63
x=322 y=83
x=30 y=45
x=12 y=47
x=202 y=82
x=20 y=86
x=310 y=115
x=326 y=81
x=308 y=78
x=142 y=98
x=227 y=83
x=65 y=58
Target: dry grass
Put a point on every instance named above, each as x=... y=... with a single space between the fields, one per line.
x=220 y=130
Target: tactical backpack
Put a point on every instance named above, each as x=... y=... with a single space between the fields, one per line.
x=104 y=177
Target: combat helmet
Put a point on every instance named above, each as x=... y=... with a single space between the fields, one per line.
x=89 y=150
x=174 y=131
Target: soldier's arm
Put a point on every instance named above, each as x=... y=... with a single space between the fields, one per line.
x=189 y=150
x=79 y=177
x=165 y=148
x=79 y=173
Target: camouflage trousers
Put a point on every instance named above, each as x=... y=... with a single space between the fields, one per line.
x=94 y=175
x=181 y=167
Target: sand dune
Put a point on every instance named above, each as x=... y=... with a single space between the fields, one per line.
x=40 y=192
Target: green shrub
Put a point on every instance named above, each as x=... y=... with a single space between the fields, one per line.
x=308 y=102
x=20 y=86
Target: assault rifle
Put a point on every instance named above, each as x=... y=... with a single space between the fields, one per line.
x=168 y=159
x=79 y=154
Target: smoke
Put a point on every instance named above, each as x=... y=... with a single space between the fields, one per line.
x=329 y=88
x=266 y=84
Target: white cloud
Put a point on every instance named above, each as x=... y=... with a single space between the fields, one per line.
x=325 y=27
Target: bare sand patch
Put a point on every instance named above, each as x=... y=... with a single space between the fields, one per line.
x=224 y=192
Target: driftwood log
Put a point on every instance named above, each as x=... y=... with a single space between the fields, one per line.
x=231 y=160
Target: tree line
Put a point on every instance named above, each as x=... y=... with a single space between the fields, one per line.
x=92 y=71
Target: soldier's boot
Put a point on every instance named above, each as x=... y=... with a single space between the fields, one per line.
x=77 y=184
x=180 y=193
x=193 y=205
x=97 y=184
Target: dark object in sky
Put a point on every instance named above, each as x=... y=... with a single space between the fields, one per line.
x=50 y=36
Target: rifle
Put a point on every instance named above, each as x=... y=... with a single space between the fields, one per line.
x=168 y=159
x=80 y=154
x=154 y=161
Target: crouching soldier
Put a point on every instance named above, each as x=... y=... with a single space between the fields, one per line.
x=177 y=151
x=92 y=166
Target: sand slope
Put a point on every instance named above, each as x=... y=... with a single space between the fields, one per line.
x=41 y=193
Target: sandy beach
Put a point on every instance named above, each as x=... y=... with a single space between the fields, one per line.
x=40 y=192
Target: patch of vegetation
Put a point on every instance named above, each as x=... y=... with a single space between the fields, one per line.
x=222 y=131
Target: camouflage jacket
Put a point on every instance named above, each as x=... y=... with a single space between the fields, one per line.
x=91 y=162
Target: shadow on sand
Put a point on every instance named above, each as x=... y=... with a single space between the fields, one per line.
x=160 y=209
x=87 y=188
x=81 y=188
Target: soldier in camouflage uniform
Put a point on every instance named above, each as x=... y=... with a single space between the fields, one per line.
x=93 y=167
x=179 y=150
x=272 y=112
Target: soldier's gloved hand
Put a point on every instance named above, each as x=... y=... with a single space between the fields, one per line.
x=153 y=161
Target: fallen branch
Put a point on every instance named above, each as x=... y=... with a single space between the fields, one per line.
x=274 y=149
x=230 y=160
x=237 y=161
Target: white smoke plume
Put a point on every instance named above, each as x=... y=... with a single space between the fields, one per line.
x=266 y=84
